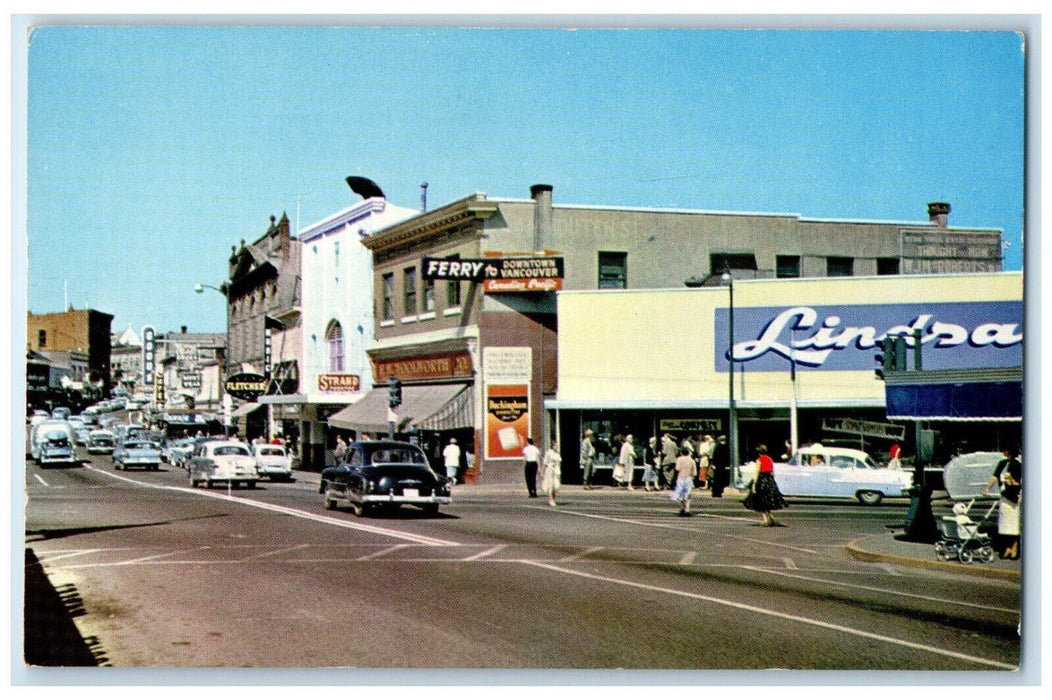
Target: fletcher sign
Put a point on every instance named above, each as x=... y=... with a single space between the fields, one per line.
x=246 y=385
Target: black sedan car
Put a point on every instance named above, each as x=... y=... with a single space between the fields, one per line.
x=384 y=473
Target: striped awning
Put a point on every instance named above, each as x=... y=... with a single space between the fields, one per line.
x=424 y=406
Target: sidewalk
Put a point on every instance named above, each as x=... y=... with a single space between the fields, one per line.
x=883 y=547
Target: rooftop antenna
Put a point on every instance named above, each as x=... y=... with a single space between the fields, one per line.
x=423 y=196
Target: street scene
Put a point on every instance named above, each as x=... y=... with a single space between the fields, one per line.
x=624 y=386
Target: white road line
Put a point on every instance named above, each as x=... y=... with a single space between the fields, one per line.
x=155 y=557
x=778 y=614
x=283 y=550
x=790 y=564
x=688 y=558
x=79 y=552
x=41 y=480
x=782 y=545
x=876 y=589
x=580 y=555
x=890 y=569
x=381 y=552
x=486 y=553
x=350 y=525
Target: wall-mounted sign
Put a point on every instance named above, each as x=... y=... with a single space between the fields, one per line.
x=334 y=383
x=954 y=335
x=246 y=385
x=190 y=380
x=529 y=274
x=438 y=366
x=149 y=350
x=507 y=420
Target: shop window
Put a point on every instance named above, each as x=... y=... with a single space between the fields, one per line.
x=387 y=296
x=887 y=266
x=840 y=267
x=334 y=339
x=788 y=266
x=613 y=270
x=409 y=291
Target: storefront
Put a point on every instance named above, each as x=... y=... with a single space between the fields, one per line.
x=804 y=358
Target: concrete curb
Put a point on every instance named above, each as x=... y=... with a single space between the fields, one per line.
x=857 y=550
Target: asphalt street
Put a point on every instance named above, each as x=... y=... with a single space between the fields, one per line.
x=156 y=574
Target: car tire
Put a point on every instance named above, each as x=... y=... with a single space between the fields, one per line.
x=359 y=509
x=330 y=502
x=869 y=498
x=430 y=508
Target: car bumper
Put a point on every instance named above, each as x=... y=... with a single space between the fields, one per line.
x=57 y=459
x=275 y=471
x=100 y=449
x=379 y=499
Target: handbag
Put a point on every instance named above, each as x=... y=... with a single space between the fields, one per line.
x=619 y=472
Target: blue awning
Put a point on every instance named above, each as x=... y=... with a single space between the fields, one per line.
x=963 y=401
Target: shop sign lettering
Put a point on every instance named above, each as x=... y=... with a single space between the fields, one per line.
x=953 y=335
x=331 y=383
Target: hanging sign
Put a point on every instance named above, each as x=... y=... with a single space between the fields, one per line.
x=246 y=385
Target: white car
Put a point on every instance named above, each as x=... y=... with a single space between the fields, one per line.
x=221 y=461
x=273 y=462
x=834 y=472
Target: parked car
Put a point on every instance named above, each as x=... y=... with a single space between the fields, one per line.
x=136 y=452
x=966 y=476
x=227 y=461
x=176 y=452
x=834 y=472
x=384 y=473
x=273 y=462
x=81 y=434
x=56 y=447
x=101 y=441
x=61 y=413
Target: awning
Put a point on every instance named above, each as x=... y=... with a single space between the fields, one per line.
x=427 y=407
x=244 y=409
x=967 y=401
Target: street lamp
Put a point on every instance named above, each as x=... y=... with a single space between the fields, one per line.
x=224 y=399
x=733 y=418
x=200 y=288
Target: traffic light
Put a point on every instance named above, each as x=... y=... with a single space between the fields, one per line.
x=885 y=358
x=394 y=392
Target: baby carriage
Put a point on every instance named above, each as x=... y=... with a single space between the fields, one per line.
x=961 y=536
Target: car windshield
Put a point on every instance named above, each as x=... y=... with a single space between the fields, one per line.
x=137 y=445
x=56 y=436
x=398 y=455
x=227 y=450
x=272 y=451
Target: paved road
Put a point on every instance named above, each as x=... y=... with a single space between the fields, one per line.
x=173 y=576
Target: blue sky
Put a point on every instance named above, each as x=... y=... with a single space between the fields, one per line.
x=153 y=150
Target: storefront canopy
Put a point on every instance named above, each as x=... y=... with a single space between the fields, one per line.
x=976 y=395
x=244 y=409
x=426 y=407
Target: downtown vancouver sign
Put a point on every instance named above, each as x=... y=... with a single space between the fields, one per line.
x=955 y=335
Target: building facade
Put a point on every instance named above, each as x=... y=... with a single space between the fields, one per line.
x=475 y=344
x=85 y=331
x=804 y=353
x=336 y=324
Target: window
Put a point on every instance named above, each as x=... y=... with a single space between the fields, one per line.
x=887 y=266
x=718 y=262
x=452 y=294
x=409 y=291
x=334 y=339
x=787 y=266
x=840 y=267
x=613 y=270
x=42 y=338
x=429 y=295
x=387 y=293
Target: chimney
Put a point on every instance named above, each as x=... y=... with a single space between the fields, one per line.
x=542 y=216
x=939 y=213
x=182 y=330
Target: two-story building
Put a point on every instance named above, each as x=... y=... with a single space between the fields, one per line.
x=466 y=313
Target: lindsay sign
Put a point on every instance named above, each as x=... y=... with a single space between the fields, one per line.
x=953 y=335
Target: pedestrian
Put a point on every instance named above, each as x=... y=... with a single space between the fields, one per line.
x=764 y=496
x=719 y=464
x=553 y=473
x=341 y=450
x=532 y=454
x=895 y=457
x=451 y=459
x=686 y=469
x=588 y=458
x=627 y=461
x=669 y=454
x=705 y=446
x=651 y=460
x=1009 y=473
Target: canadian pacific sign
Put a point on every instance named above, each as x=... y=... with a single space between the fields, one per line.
x=844 y=337
x=530 y=274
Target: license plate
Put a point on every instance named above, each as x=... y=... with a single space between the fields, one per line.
x=411 y=493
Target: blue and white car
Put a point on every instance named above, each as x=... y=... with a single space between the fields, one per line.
x=56 y=447
x=273 y=462
x=833 y=472
x=101 y=442
x=137 y=452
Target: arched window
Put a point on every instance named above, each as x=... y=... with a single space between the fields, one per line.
x=334 y=338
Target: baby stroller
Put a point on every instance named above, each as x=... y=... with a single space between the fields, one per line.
x=961 y=536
